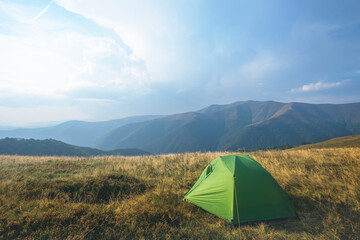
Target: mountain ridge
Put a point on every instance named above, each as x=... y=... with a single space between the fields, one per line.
x=245 y=125
x=240 y=125
x=52 y=147
x=80 y=133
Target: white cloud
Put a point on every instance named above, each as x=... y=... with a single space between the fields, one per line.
x=47 y=65
x=152 y=31
x=107 y=65
x=318 y=86
x=117 y=56
x=38 y=61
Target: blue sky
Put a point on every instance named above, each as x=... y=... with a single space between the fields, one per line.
x=98 y=60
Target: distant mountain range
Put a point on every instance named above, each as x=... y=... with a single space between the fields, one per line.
x=244 y=125
x=79 y=133
x=241 y=125
x=51 y=147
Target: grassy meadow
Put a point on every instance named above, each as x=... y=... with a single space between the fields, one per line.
x=141 y=197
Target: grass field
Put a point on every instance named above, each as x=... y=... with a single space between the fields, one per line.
x=141 y=197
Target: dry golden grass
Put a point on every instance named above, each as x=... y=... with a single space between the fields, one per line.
x=141 y=197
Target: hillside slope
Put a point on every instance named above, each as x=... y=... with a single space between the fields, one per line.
x=241 y=125
x=51 y=147
x=341 y=142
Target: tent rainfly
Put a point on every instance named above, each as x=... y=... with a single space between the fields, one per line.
x=238 y=189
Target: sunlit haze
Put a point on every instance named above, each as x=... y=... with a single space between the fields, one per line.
x=98 y=60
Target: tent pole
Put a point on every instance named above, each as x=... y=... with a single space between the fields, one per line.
x=237 y=208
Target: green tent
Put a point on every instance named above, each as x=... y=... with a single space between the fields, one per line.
x=239 y=189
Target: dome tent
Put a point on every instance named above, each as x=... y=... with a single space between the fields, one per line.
x=239 y=189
